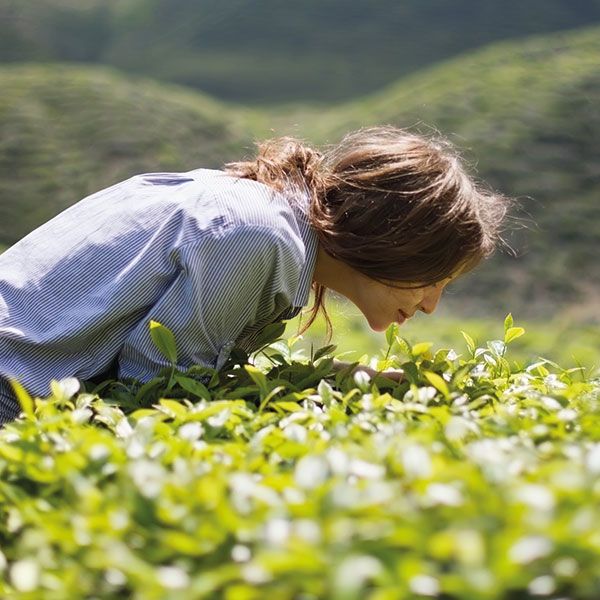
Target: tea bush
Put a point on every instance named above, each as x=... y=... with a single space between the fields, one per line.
x=282 y=478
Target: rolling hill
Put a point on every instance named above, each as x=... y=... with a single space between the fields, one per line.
x=273 y=51
x=68 y=131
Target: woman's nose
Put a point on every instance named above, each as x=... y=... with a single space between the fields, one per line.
x=431 y=299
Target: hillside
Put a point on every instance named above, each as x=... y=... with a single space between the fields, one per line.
x=527 y=115
x=273 y=51
x=66 y=132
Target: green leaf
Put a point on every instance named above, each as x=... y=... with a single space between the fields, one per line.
x=286 y=405
x=209 y=376
x=142 y=412
x=211 y=409
x=268 y=334
x=259 y=379
x=146 y=388
x=411 y=372
x=391 y=333
x=11 y=453
x=164 y=340
x=512 y=334
x=461 y=374
x=270 y=396
x=193 y=386
x=25 y=400
x=403 y=345
x=174 y=407
x=324 y=351
x=421 y=348
x=470 y=342
x=508 y=322
x=437 y=382
x=490 y=360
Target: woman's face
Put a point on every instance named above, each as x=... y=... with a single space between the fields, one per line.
x=383 y=305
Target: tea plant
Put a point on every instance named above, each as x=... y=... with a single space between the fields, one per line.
x=282 y=478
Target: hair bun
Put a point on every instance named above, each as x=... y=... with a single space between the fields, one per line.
x=281 y=163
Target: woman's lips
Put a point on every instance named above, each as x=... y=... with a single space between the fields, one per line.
x=404 y=316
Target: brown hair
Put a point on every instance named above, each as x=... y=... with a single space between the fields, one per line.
x=396 y=206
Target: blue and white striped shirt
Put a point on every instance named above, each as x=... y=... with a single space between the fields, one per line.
x=212 y=257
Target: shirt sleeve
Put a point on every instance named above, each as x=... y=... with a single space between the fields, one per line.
x=226 y=283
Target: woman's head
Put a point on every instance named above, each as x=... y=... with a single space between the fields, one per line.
x=397 y=207
x=400 y=207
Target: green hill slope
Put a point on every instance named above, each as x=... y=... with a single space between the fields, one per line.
x=527 y=115
x=271 y=51
x=66 y=132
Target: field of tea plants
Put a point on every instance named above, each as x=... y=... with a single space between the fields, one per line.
x=282 y=477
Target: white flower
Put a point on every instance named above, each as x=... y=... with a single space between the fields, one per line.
x=440 y=493
x=25 y=575
x=311 y=471
x=174 y=578
x=536 y=496
x=424 y=585
x=530 y=548
x=416 y=461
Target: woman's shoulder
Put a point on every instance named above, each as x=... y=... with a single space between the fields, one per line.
x=246 y=203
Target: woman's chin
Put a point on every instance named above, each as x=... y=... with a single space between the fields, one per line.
x=379 y=327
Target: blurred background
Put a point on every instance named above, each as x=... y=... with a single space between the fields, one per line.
x=94 y=91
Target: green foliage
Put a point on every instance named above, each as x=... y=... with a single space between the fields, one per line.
x=472 y=478
x=164 y=340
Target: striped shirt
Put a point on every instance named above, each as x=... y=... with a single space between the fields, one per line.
x=212 y=257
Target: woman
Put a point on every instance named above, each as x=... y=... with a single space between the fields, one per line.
x=386 y=218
